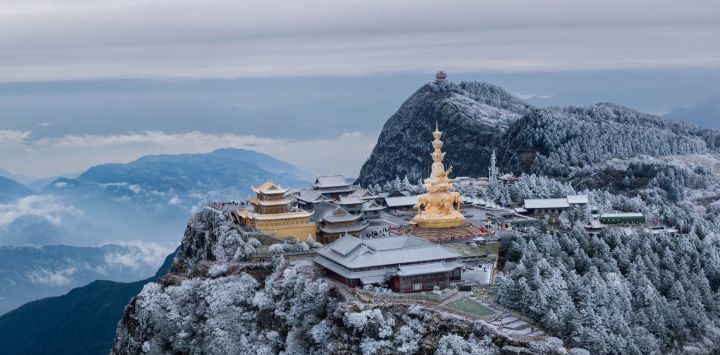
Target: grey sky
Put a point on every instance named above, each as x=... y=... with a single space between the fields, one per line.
x=64 y=39
x=313 y=81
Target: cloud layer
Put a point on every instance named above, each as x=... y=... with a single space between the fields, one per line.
x=46 y=207
x=71 y=39
x=50 y=155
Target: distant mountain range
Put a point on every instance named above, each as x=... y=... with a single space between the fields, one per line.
x=704 y=113
x=23 y=179
x=223 y=169
x=80 y=322
x=29 y=273
x=11 y=189
x=147 y=199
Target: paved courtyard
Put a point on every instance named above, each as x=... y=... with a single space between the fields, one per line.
x=470 y=305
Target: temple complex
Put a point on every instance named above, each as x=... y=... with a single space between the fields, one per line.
x=270 y=214
x=334 y=188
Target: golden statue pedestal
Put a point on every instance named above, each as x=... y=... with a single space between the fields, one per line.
x=444 y=234
x=439 y=219
x=439 y=208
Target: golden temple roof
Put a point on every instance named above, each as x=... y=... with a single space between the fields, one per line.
x=269 y=187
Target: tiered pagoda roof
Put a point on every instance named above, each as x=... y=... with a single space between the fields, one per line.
x=269 y=188
x=273 y=216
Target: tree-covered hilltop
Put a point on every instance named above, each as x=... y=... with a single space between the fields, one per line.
x=625 y=291
x=557 y=141
x=617 y=293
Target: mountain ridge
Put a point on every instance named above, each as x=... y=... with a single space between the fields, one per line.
x=548 y=141
x=30 y=272
x=149 y=198
x=11 y=189
x=484 y=110
x=82 y=321
x=704 y=112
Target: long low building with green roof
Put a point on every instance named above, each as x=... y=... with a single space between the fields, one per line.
x=630 y=219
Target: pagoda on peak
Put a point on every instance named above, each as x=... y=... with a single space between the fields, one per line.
x=440 y=77
x=439 y=207
x=270 y=198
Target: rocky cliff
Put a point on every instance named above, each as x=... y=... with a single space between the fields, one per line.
x=473 y=117
x=216 y=302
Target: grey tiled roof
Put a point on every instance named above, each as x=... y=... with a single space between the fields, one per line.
x=372 y=206
x=308 y=195
x=331 y=181
x=327 y=211
x=355 y=227
x=362 y=193
x=546 y=203
x=430 y=268
x=339 y=218
x=335 y=190
x=350 y=200
x=556 y=202
x=352 y=252
x=320 y=210
x=401 y=201
x=352 y=274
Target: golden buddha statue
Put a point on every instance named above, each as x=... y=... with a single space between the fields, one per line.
x=439 y=207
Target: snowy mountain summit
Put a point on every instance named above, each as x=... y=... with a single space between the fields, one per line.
x=215 y=300
x=472 y=115
x=563 y=142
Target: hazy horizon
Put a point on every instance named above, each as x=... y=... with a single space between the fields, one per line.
x=322 y=124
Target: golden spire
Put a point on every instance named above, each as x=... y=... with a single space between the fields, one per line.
x=437 y=155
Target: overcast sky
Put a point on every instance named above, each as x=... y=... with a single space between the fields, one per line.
x=72 y=39
x=111 y=39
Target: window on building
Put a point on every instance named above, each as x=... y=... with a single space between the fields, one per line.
x=417 y=286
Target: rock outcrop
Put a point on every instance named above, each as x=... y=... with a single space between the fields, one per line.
x=473 y=117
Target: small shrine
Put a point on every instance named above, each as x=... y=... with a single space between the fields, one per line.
x=440 y=77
